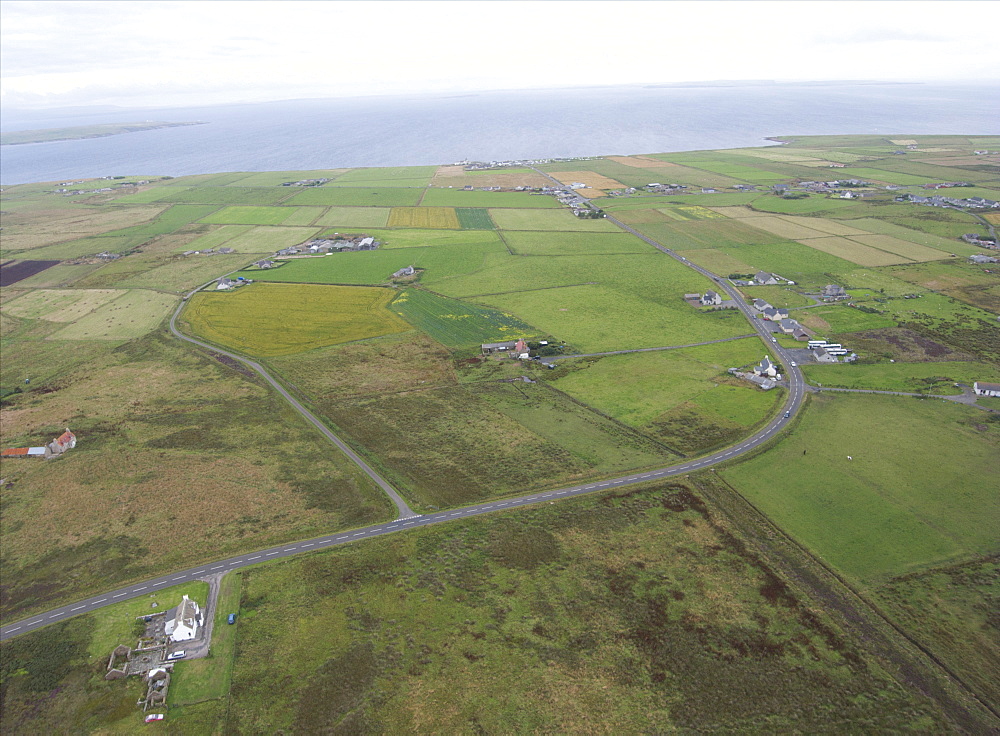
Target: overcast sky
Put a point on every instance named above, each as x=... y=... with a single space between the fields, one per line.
x=185 y=53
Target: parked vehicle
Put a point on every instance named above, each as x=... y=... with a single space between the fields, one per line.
x=232 y=618
x=154 y=717
x=176 y=655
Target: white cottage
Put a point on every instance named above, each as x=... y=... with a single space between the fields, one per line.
x=186 y=623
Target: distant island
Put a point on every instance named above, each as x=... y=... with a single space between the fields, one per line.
x=80 y=132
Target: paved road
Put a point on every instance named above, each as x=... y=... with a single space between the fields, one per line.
x=405 y=512
x=334 y=540
x=409 y=520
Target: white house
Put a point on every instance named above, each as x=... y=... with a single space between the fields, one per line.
x=710 y=299
x=224 y=283
x=986 y=389
x=186 y=622
x=822 y=356
x=766 y=368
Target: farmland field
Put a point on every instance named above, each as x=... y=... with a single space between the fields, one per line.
x=437 y=197
x=419 y=238
x=893 y=512
x=218 y=236
x=458 y=324
x=267 y=239
x=278 y=319
x=936 y=378
x=537 y=243
x=132 y=314
x=601 y=318
x=225 y=195
x=913 y=251
x=355 y=217
x=429 y=217
x=856 y=252
x=62 y=305
x=538 y=219
x=388 y=173
x=379 y=196
x=277 y=178
x=474 y=218
x=639 y=387
x=255 y=215
x=56 y=275
x=179 y=274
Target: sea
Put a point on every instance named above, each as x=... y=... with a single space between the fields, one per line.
x=424 y=129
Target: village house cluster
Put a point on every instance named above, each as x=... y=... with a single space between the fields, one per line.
x=338 y=244
x=306 y=183
x=975 y=203
x=983 y=241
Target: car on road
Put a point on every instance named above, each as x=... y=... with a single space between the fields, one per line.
x=154 y=717
x=794 y=364
x=231 y=619
x=788 y=414
x=176 y=655
x=774 y=339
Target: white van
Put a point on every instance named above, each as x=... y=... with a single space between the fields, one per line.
x=175 y=655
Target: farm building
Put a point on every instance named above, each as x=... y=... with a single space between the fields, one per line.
x=986 y=389
x=979 y=258
x=497 y=347
x=833 y=291
x=760 y=305
x=264 y=264
x=224 y=283
x=408 y=271
x=65 y=441
x=186 y=621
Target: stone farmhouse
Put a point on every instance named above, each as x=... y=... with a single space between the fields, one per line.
x=514 y=348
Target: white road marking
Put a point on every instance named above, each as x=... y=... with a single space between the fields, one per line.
x=308 y=545
x=392 y=526
x=270 y=553
x=290 y=549
x=218 y=567
x=359 y=534
x=257 y=557
x=11 y=631
x=32 y=623
x=54 y=615
x=78 y=608
x=100 y=601
x=181 y=577
x=118 y=596
x=197 y=572
x=343 y=537
x=136 y=590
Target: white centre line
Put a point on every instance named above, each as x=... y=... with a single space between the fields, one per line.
x=181 y=577
x=218 y=567
x=78 y=608
x=119 y=595
x=32 y=623
x=392 y=526
x=136 y=590
x=11 y=631
x=55 y=615
x=100 y=601
x=308 y=545
x=255 y=557
x=270 y=553
x=359 y=534
x=290 y=549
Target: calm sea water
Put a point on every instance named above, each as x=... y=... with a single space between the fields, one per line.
x=316 y=134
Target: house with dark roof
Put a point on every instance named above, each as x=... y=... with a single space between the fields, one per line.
x=833 y=291
x=763 y=278
x=766 y=368
x=710 y=299
x=760 y=305
x=986 y=389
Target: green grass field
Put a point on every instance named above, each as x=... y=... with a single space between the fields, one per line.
x=376 y=266
x=474 y=218
x=540 y=219
x=132 y=314
x=259 y=215
x=887 y=511
x=534 y=243
x=437 y=197
x=934 y=378
x=355 y=217
x=225 y=195
x=279 y=319
x=376 y=196
x=458 y=324
x=639 y=387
